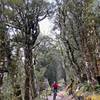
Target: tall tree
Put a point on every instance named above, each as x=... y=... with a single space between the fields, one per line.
x=24 y=17
x=3 y=67
x=76 y=22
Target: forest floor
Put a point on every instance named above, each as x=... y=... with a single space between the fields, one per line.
x=50 y=97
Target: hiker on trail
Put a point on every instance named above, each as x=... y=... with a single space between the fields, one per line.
x=55 y=87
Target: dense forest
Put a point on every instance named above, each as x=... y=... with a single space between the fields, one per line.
x=30 y=61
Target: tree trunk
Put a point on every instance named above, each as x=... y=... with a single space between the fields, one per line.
x=63 y=63
x=16 y=95
x=30 y=92
x=9 y=64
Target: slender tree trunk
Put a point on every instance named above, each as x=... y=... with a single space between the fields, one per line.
x=9 y=63
x=63 y=63
x=28 y=64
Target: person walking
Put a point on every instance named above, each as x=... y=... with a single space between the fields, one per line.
x=55 y=87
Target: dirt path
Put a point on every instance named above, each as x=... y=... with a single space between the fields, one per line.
x=51 y=98
x=59 y=98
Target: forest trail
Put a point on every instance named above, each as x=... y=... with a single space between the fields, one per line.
x=61 y=98
x=51 y=98
x=90 y=97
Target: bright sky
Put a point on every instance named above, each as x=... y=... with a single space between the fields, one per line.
x=49 y=0
x=46 y=25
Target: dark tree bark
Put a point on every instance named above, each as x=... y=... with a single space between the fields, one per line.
x=29 y=72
